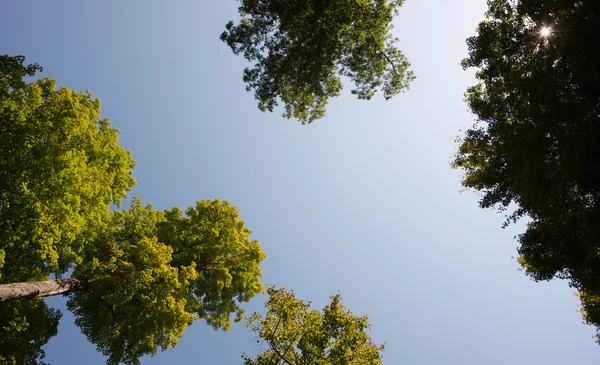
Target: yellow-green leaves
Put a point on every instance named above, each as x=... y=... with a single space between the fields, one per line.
x=135 y=302
x=296 y=334
x=227 y=261
x=60 y=170
x=302 y=48
x=144 y=275
x=153 y=273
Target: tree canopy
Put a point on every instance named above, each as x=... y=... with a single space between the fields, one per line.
x=25 y=327
x=537 y=139
x=12 y=72
x=145 y=279
x=295 y=334
x=302 y=48
x=60 y=170
x=154 y=273
x=139 y=276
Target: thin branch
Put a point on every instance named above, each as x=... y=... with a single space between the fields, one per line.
x=278 y=354
x=275 y=329
x=382 y=52
x=292 y=344
x=392 y=63
x=198 y=243
x=107 y=304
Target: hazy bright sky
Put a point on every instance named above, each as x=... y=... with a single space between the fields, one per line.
x=363 y=201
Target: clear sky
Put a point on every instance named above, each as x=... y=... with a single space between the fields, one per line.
x=363 y=201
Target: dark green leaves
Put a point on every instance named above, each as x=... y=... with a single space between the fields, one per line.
x=26 y=326
x=12 y=72
x=301 y=49
x=537 y=139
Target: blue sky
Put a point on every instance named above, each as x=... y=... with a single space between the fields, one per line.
x=363 y=201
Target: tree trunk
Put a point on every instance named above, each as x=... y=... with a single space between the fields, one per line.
x=38 y=289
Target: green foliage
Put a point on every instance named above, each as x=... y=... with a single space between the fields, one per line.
x=153 y=273
x=145 y=275
x=303 y=47
x=26 y=326
x=227 y=261
x=537 y=140
x=135 y=302
x=12 y=72
x=296 y=334
x=60 y=169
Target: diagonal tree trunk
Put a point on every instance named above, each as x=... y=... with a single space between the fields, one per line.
x=39 y=289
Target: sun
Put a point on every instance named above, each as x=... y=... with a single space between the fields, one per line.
x=545 y=31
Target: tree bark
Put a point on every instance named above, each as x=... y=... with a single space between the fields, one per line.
x=38 y=289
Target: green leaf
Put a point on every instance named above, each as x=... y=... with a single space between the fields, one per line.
x=301 y=49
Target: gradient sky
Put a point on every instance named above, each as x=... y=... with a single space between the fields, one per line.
x=363 y=201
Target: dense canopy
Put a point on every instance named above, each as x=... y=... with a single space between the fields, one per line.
x=153 y=273
x=301 y=49
x=60 y=170
x=537 y=139
x=139 y=276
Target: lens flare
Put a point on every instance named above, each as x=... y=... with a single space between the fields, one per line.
x=545 y=31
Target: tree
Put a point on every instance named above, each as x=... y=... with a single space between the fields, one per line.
x=296 y=334
x=146 y=279
x=60 y=169
x=140 y=276
x=302 y=48
x=537 y=139
x=12 y=72
x=25 y=327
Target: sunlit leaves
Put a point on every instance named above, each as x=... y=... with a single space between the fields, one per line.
x=301 y=49
x=153 y=273
x=295 y=334
x=60 y=170
x=145 y=275
x=227 y=261
x=135 y=301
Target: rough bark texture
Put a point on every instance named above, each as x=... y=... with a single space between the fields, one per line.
x=38 y=289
